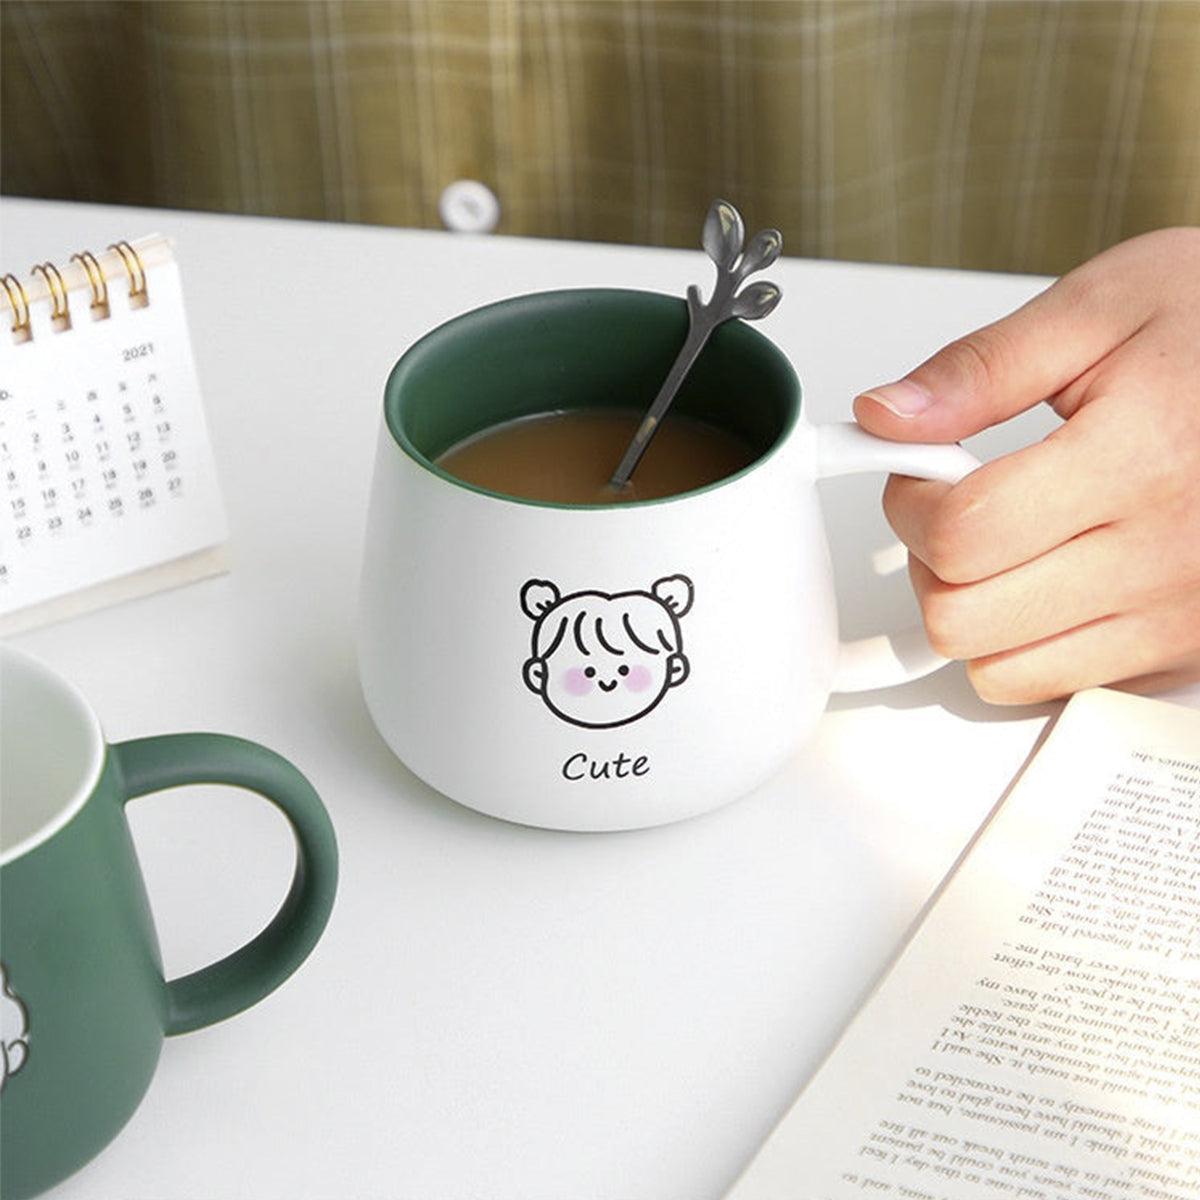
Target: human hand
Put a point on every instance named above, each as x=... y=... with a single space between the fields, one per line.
x=1076 y=561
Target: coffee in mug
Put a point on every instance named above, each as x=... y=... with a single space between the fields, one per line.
x=568 y=457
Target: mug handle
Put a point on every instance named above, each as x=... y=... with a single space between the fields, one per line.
x=234 y=983
x=843 y=448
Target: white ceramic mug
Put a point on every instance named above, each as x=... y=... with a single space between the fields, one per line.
x=615 y=666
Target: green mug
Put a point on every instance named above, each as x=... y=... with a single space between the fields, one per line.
x=84 y=1007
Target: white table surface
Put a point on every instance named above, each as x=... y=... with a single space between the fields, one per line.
x=495 y=1012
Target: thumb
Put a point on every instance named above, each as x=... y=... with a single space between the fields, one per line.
x=974 y=382
x=1002 y=369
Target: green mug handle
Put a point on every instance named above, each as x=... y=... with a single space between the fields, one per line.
x=234 y=983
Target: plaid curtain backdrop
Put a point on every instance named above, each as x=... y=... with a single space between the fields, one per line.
x=1020 y=135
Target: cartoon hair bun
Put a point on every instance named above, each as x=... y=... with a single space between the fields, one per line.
x=537 y=597
x=675 y=591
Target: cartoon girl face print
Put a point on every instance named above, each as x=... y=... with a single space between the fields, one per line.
x=14 y=1030
x=602 y=660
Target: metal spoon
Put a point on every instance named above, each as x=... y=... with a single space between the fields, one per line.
x=724 y=232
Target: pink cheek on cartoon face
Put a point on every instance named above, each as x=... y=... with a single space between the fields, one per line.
x=638 y=679
x=576 y=683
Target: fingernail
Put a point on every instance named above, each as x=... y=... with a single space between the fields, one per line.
x=904 y=397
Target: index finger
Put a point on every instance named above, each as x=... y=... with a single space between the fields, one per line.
x=1018 y=507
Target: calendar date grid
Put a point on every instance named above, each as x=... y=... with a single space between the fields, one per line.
x=86 y=460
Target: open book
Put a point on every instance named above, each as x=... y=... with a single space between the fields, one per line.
x=1039 y=1036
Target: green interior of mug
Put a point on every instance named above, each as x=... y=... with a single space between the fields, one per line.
x=584 y=348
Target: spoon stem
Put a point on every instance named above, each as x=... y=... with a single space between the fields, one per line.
x=698 y=331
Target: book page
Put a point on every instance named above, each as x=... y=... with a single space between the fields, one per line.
x=1039 y=1037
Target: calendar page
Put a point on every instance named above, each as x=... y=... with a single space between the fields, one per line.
x=107 y=483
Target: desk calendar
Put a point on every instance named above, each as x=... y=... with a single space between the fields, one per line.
x=108 y=488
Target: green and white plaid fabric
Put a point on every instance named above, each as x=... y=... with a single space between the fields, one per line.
x=1016 y=135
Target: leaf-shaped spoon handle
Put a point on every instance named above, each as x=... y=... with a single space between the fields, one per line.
x=722 y=240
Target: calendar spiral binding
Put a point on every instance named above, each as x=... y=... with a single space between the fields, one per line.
x=48 y=283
